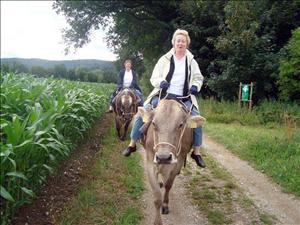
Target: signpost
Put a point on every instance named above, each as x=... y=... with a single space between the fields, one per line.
x=245 y=93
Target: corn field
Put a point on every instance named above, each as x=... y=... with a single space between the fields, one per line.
x=41 y=122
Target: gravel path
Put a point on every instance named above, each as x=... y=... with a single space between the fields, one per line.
x=182 y=211
x=258 y=187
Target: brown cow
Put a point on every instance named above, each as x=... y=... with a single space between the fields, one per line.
x=125 y=107
x=168 y=141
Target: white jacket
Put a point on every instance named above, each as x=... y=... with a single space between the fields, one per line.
x=162 y=68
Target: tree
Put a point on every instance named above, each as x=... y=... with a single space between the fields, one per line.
x=18 y=68
x=82 y=73
x=60 y=71
x=289 y=75
x=39 y=70
x=109 y=76
x=5 y=68
x=233 y=41
x=142 y=26
x=250 y=44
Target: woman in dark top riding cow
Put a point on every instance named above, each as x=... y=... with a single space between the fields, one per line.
x=127 y=79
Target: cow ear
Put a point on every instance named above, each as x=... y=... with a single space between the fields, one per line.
x=141 y=111
x=146 y=114
x=195 y=121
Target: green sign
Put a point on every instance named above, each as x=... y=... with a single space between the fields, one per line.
x=245 y=92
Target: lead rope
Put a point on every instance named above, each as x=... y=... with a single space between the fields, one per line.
x=178 y=150
x=161 y=143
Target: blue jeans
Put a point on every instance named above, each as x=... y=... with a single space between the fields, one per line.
x=138 y=122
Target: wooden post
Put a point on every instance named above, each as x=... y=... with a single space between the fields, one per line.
x=240 y=92
x=251 y=91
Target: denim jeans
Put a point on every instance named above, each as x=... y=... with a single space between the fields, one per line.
x=138 y=122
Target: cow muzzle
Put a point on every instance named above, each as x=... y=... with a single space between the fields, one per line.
x=164 y=158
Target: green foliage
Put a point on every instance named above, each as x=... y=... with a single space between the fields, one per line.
x=267 y=113
x=60 y=70
x=41 y=122
x=233 y=41
x=38 y=71
x=47 y=64
x=289 y=76
x=78 y=70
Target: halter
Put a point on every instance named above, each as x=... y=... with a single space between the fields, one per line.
x=178 y=147
x=120 y=106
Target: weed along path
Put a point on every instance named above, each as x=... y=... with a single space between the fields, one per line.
x=266 y=195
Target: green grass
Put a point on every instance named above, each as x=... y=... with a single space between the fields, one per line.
x=275 y=152
x=112 y=186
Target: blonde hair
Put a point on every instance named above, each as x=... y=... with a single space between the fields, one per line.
x=182 y=32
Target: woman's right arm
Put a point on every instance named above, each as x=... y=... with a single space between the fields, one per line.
x=157 y=74
x=120 y=81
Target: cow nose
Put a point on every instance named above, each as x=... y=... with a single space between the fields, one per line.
x=163 y=158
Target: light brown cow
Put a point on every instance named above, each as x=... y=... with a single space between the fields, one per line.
x=168 y=141
x=125 y=107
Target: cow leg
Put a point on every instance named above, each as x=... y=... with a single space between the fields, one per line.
x=118 y=128
x=156 y=193
x=168 y=186
x=123 y=133
x=125 y=129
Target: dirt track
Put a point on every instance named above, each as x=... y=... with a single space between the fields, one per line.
x=182 y=210
x=266 y=195
x=257 y=186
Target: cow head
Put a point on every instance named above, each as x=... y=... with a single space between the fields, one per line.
x=126 y=103
x=169 y=121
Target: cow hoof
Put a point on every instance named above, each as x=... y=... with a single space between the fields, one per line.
x=161 y=184
x=165 y=210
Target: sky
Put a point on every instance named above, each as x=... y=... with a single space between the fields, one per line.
x=32 y=29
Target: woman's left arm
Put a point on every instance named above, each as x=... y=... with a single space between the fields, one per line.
x=196 y=75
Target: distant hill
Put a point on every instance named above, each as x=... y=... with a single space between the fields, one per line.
x=89 y=63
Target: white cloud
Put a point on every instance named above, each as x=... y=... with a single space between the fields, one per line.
x=32 y=29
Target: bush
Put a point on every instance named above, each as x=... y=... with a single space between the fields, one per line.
x=289 y=82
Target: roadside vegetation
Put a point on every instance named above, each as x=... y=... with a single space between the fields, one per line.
x=267 y=136
x=42 y=120
x=111 y=191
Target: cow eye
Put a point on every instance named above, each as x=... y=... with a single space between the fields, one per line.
x=180 y=125
x=154 y=125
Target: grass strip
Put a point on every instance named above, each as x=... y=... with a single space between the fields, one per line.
x=275 y=152
x=111 y=189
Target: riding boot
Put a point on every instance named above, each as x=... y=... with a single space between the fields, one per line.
x=198 y=159
x=128 y=151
